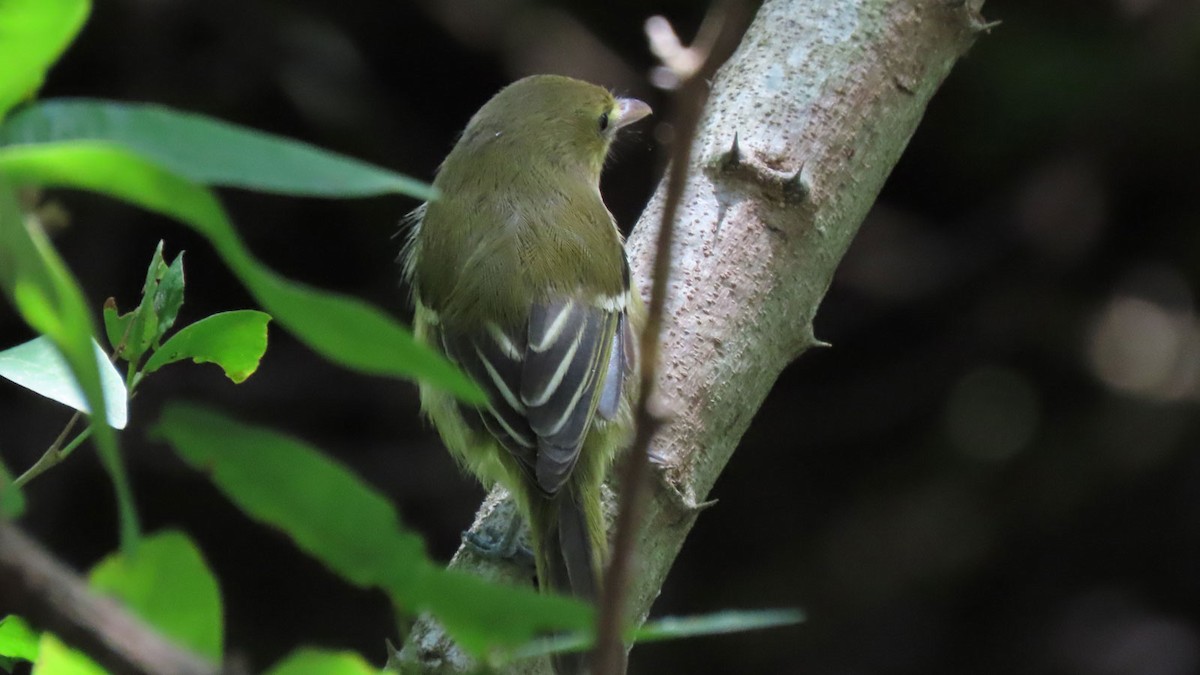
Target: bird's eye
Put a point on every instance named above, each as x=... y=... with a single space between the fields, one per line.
x=604 y=121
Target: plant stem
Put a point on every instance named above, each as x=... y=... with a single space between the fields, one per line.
x=56 y=453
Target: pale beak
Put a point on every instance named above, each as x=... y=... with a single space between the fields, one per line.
x=629 y=110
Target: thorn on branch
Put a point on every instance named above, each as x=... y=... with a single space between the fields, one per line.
x=796 y=188
x=732 y=156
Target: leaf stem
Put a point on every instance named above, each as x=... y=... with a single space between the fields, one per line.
x=56 y=453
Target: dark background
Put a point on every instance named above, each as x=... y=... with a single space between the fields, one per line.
x=992 y=471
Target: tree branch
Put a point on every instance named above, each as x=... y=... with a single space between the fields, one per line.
x=731 y=18
x=52 y=598
x=802 y=127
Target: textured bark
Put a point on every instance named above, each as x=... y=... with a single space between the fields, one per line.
x=803 y=125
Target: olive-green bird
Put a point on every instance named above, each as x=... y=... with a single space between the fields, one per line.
x=519 y=276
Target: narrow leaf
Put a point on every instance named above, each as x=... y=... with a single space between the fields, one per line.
x=47 y=296
x=718 y=623
x=143 y=328
x=235 y=341
x=343 y=329
x=168 y=297
x=351 y=528
x=38 y=366
x=209 y=151
x=669 y=628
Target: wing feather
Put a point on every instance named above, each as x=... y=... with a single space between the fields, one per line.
x=546 y=381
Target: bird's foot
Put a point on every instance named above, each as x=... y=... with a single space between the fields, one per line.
x=506 y=545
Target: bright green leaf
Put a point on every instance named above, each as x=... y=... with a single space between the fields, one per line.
x=168 y=584
x=316 y=662
x=208 y=151
x=236 y=341
x=17 y=639
x=343 y=329
x=56 y=658
x=33 y=33
x=38 y=366
x=336 y=518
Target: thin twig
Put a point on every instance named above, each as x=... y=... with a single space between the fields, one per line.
x=53 y=598
x=608 y=658
x=53 y=454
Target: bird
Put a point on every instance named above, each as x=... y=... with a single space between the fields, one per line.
x=519 y=275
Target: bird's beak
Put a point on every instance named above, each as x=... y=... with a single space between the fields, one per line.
x=629 y=110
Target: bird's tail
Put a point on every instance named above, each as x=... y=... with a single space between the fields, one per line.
x=566 y=560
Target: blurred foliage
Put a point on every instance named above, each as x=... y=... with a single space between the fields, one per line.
x=991 y=472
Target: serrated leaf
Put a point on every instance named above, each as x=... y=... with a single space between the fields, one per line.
x=35 y=33
x=115 y=325
x=235 y=341
x=207 y=150
x=38 y=366
x=343 y=329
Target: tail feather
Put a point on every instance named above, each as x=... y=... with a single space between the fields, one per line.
x=566 y=562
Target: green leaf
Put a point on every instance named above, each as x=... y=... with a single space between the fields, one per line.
x=12 y=502
x=56 y=658
x=717 y=623
x=168 y=297
x=317 y=662
x=17 y=639
x=343 y=329
x=208 y=151
x=47 y=296
x=281 y=481
x=33 y=33
x=144 y=328
x=168 y=585
x=355 y=531
x=38 y=366
x=669 y=628
x=115 y=326
x=236 y=341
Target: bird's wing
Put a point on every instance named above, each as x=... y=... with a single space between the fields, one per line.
x=545 y=382
x=570 y=344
